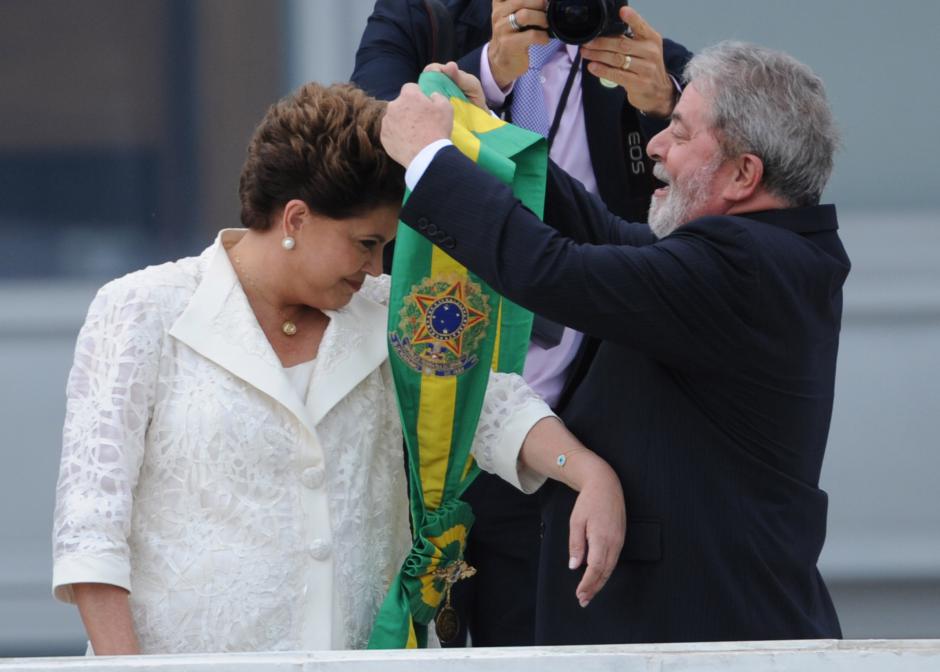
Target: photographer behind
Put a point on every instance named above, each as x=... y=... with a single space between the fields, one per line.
x=598 y=95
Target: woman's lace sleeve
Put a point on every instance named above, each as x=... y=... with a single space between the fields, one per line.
x=110 y=395
x=510 y=409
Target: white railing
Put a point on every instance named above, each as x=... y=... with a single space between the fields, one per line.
x=793 y=656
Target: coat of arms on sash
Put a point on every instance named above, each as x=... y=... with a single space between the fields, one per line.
x=442 y=322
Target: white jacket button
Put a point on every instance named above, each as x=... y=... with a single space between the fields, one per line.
x=313 y=477
x=320 y=549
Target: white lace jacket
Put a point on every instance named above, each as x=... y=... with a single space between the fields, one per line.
x=192 y=474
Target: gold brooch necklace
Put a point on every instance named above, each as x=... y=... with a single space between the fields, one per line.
x=288 y=326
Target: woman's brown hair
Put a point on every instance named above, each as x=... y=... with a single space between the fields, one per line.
x=320 y=145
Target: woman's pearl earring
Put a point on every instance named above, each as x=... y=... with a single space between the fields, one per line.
x=288 y=243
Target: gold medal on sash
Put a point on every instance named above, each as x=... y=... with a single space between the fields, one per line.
x=447 y=622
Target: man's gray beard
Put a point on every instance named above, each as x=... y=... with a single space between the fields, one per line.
x=669 y=213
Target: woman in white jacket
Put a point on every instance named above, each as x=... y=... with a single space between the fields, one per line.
x=231 y=475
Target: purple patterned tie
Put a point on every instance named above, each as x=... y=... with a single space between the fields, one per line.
x=528 y=101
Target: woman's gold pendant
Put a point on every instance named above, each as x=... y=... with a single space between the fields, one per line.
x=289 y=328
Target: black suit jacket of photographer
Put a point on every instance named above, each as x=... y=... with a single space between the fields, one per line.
x=397 y=43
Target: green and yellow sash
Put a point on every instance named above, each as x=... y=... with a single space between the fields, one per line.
x=443 y=323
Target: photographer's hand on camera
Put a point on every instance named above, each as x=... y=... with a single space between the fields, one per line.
x=635 y=63
x=508 y=50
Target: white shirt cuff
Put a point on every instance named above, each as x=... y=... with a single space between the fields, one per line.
x=495 y=96
x=422 y=160
x=676 y=84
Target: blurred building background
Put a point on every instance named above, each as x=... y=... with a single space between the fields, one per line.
x=122 y=130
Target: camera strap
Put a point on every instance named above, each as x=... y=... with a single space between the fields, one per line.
x=556 y=122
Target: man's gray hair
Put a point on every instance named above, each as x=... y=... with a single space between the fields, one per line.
x=767 y=103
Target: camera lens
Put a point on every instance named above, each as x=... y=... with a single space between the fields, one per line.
x=577 y=21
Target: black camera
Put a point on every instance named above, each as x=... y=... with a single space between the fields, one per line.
x=580 y=21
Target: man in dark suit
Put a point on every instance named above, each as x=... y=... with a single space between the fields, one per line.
x=711 y=390
x=599 y=139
